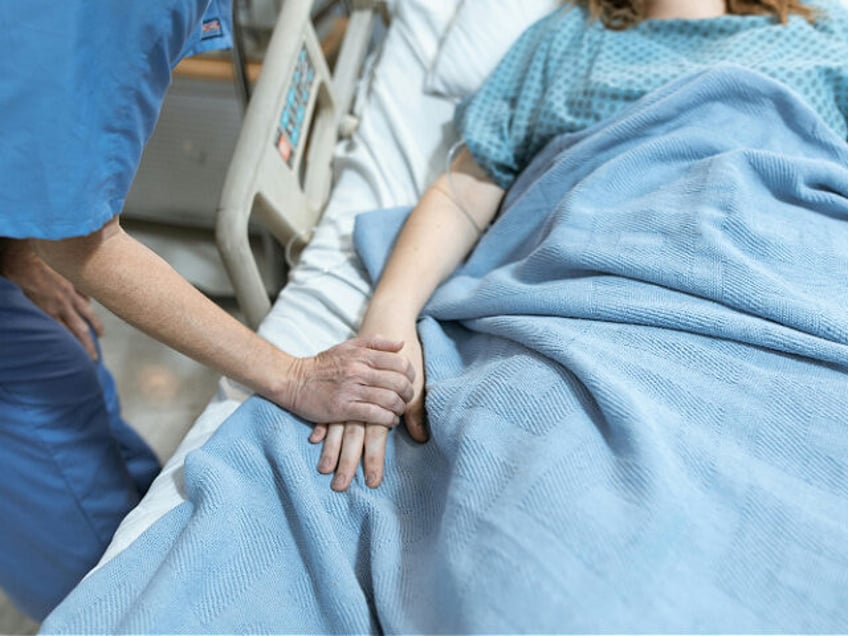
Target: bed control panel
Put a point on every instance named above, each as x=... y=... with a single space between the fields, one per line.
x=292 y=121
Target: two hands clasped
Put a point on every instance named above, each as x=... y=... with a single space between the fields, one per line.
x=414 y=270
x=348 y=443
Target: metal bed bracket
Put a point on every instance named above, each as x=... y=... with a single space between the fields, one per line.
x=280 y=173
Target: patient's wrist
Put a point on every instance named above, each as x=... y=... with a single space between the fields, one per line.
x=390 y=309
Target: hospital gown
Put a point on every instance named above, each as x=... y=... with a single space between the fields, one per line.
x=82 y=85
x=567 y=72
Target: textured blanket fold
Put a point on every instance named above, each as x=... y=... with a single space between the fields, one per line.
x=636 y=395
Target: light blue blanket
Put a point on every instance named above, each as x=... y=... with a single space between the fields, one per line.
x=636 y=389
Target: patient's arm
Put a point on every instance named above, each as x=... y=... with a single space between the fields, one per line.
x=358 y=379
x=436 y=238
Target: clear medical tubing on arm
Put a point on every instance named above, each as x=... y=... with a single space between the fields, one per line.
x=455 y=194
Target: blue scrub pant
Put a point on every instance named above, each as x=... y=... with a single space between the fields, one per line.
x=70 y=467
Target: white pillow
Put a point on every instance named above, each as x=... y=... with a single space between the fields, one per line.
x=479 y=36
x=423 y=23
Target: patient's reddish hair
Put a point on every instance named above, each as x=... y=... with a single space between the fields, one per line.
x=623 y=14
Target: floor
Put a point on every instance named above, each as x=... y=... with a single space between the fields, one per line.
x=162 y=393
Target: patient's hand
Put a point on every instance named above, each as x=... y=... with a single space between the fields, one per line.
x=345 y=444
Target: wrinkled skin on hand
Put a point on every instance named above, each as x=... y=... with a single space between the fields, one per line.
x=363 y=379
x=51 y=292
x=348 y=443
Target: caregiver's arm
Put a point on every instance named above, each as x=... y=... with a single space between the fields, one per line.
x=359 y=379
x=436 y=238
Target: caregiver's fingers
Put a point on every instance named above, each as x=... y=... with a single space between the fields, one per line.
x=331 y=449
x=394 y=382
x=375 y=454
x=83 y=306
x=351 y=453
x=371 y=395
x=341 y=385
x=382 y=350
x=77 y=325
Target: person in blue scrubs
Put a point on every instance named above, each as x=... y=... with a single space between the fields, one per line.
x=82 y=86
x=72 y=468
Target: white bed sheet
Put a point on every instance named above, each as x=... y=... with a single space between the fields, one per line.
x=399 y=147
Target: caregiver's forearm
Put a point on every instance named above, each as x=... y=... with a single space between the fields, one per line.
x=144 y=290
x=436 y=237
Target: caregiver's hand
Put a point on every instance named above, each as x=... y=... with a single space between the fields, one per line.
x=346 y=443
x=361 y=379
x=52 y=292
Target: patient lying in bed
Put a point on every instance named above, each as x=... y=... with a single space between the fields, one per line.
x=565 y=74
x=635 y=383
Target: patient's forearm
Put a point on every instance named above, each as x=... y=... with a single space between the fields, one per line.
x=437 y=236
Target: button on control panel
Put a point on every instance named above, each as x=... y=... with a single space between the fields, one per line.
x=292 y=119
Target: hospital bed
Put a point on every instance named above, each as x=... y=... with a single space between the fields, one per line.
x=316 y=150
x=372 y=135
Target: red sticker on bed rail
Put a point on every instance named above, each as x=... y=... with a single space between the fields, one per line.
x=284 y=147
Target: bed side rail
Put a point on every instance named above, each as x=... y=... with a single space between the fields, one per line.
x=281 y=169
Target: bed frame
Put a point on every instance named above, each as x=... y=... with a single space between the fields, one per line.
x=280 y=173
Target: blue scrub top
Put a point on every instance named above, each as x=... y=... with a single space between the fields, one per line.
x=81 y=86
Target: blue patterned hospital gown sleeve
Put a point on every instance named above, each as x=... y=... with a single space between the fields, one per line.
x=567 y=72
x=496 y=121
